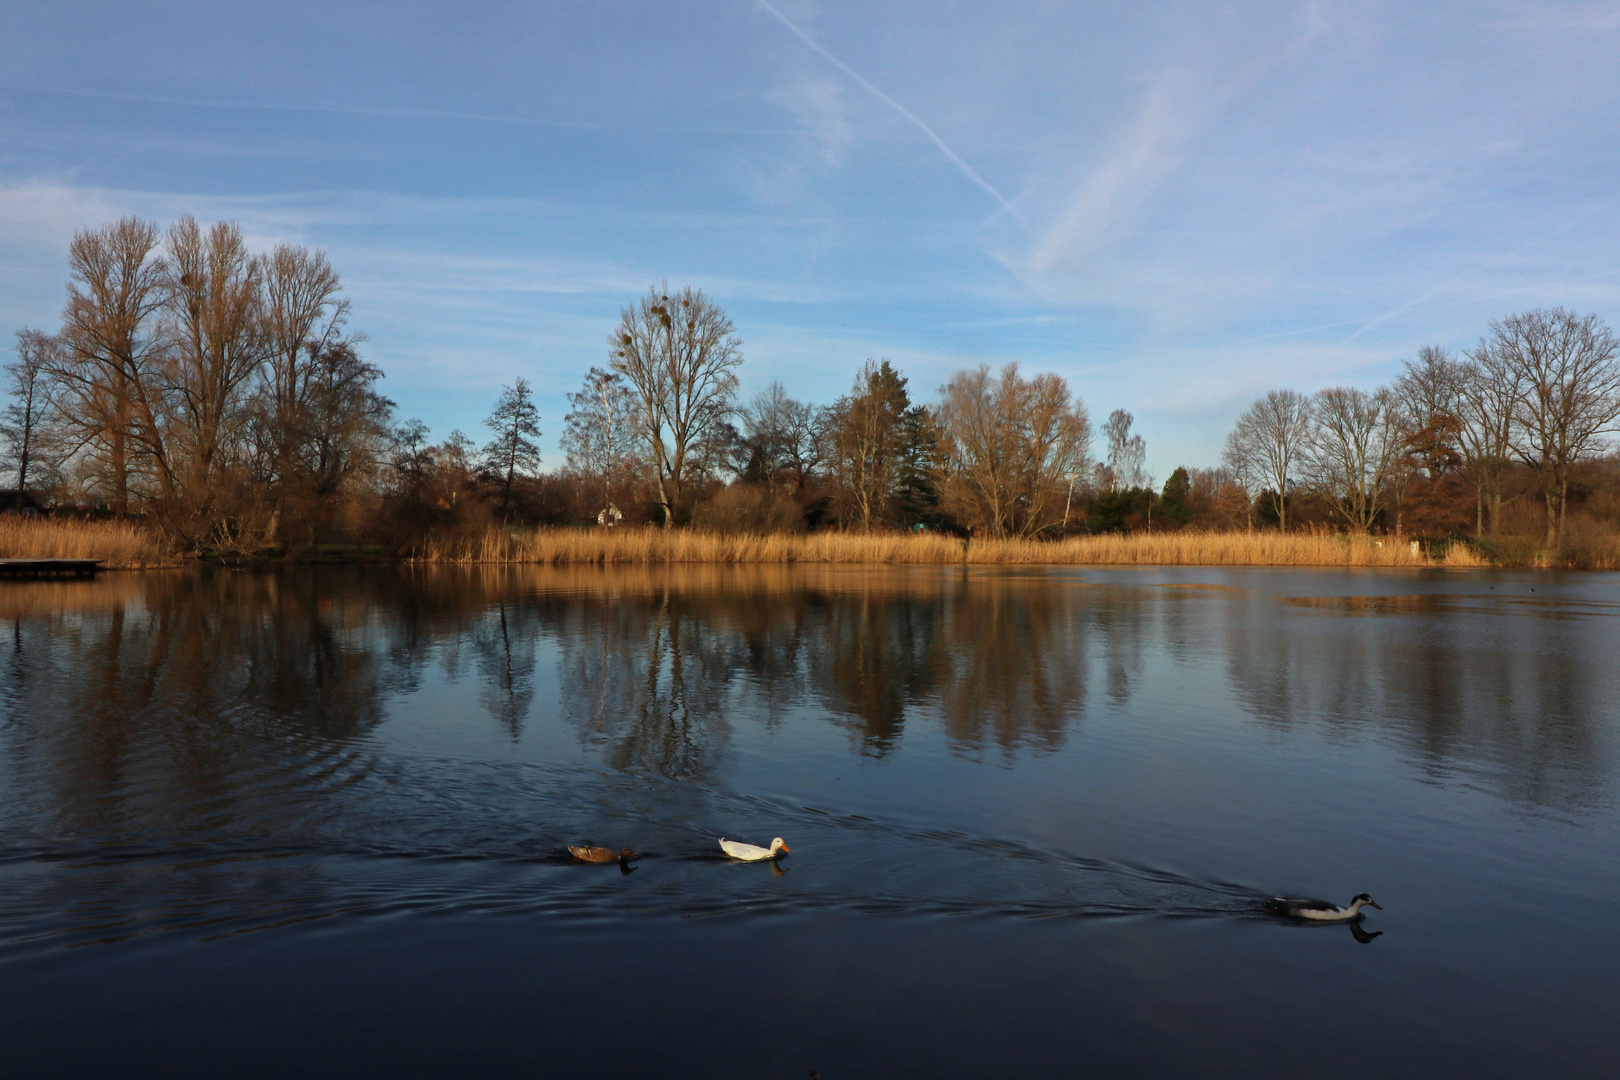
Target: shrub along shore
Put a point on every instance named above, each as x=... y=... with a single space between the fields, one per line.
x=128 y=545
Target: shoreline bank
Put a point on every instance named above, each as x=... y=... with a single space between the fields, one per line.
x=128 y=546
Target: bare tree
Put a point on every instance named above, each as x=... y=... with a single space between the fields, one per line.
x=800 y=434
x=680 y=357
x=26 y=423
x=1487 y=397
x=1014 y=445
x=1355 y=444
x=1265 y=446
x=304 y=315
x=762 y=443
x=1567 y=369
x=1127 y=453
x=780 y=438
x=108 y=367
x=344 y=431
x=599 y=432
x=202 y=379
x=1430 y=384
x=1430 y=392
x=1240 y=472
x=515 y=422
x=453 y=470
x=216 y=343
x=411 y=459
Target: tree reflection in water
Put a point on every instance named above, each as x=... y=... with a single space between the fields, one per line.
x=1018 y=671
x=645 y=676
x=653 y=674
x=125 y=693
x=120 y=690
x=1459 y=679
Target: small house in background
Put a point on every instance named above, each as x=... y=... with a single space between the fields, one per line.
x=15 y=503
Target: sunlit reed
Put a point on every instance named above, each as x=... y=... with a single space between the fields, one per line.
x=567 y=546
x=122 y=544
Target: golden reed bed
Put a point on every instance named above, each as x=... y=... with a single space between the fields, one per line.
x=571 y=546
x=124 y=545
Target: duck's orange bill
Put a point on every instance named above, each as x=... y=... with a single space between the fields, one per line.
x=786 y=849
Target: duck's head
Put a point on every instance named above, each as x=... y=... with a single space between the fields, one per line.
x=625 y=855
x=777 y=845
x=1363 y=898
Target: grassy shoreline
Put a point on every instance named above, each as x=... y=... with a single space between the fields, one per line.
x=128 y=545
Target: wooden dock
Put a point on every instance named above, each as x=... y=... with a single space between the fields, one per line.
x=34 y=568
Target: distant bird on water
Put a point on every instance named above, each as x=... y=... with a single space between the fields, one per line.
x=751 y=852
x=1301 y=907
x=601 y=854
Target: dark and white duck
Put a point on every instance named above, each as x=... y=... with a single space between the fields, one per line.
x=1302 y=907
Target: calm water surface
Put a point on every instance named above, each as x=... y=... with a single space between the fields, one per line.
x=313 y=823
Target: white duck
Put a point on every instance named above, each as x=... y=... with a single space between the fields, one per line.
x=752 y=852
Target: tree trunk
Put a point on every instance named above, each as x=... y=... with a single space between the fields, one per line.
x=663 y=500
x=1563 y=506
x=27 y=444
x=120 y=474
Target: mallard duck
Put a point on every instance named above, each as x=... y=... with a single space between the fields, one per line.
x=752 y=853
x=1301 y=907
x=601 y=854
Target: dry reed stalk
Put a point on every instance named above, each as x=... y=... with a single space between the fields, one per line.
x=1462 y=557
x=620 y=546
x=122 y=544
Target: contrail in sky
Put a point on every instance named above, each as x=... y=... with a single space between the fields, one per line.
x=950 y=155
x=1515 y=253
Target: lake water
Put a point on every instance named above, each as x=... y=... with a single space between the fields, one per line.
x=313 y=822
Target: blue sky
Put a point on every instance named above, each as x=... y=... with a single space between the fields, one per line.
x=1177 y=206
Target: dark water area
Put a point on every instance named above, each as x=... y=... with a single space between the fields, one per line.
x=314 y=822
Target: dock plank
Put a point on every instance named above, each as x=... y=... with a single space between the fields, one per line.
x=49 y=567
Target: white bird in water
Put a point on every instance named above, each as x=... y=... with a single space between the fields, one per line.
x=752 y=852
x=1301 y=907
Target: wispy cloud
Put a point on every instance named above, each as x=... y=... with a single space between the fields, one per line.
x=1144 y=154
x=1109 y=231
x=303 y=107
x=933 y=136
x=1221 y=199
x=44 y=213
x=817 y=103
x=1591 y=17
x=1451 y=283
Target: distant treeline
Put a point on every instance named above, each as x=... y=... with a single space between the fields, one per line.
x=221 y=396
